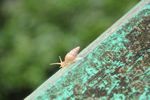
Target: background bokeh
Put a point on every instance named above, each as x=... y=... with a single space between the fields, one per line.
x=33 y=33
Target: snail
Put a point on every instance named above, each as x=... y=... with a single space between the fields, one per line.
x=69 y=58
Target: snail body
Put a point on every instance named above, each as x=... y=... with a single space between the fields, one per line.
x=69 y=58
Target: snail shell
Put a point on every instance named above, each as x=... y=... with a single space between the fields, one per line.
x=71 y=56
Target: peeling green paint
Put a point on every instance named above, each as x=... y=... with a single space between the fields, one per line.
x=117 y=69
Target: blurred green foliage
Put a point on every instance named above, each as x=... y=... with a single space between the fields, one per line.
x=33 y=33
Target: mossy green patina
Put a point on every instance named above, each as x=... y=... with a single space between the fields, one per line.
x=117 y=69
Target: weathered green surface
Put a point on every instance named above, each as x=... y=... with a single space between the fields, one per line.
x=116 y=66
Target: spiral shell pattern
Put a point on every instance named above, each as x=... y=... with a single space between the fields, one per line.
x=71 y=56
